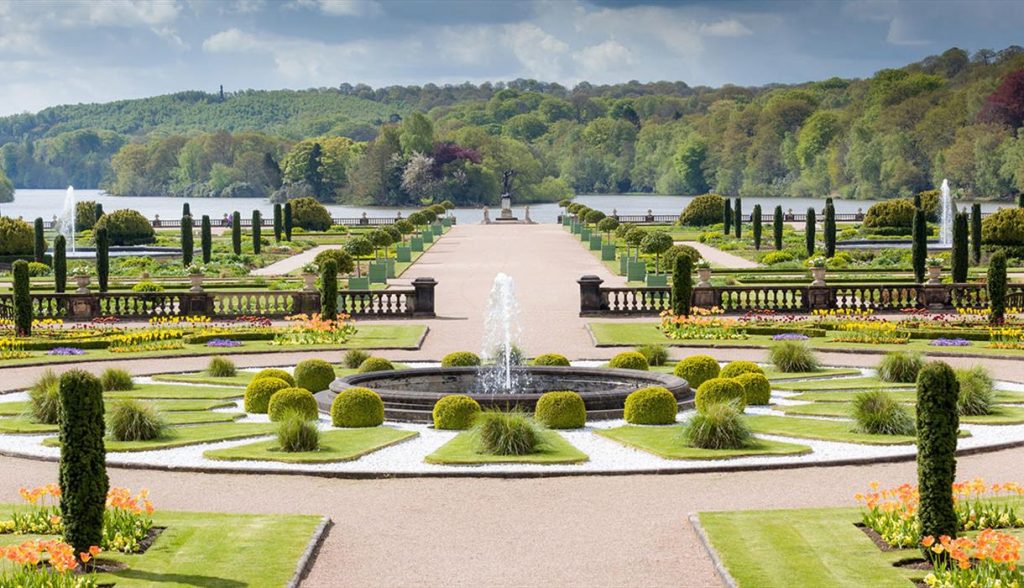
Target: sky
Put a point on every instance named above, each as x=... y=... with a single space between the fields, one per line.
x=60 y=52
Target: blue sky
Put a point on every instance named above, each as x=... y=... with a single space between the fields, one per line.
x=56 y=52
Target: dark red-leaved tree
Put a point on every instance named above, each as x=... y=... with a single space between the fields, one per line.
x=445 y=153
x=1006 y=104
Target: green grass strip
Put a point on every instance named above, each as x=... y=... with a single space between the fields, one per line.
x=862 y=383
x=22 y=407
x=25 y=425
x=840 y=431
x=187 y=435
x=335 y=445
x=176 y=391
x=1001 y=396
x=462 y=450
x=1000 y=414
x=241 y=379
x=665 y=442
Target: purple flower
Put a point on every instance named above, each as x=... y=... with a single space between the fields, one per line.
x=223 y=343
x=950 y=342
x=66 y=351
x=789 y=337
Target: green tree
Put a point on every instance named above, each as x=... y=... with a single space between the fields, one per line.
x=287 y=221
x=777 y=226
x=206 y=238
x=656 y=243
x=690 y=160
x=278 y=220
x=960 y=259
x=997 y=287
x=756 y=220
x=830 y=229
x=938 y=424
x=188 y=245
x=810 y=225
x=976 y=233
x=6 y=188
x=102 y=257
x=236 y=233
x=83 y=471
x=417 y=135
x=60 y=264
x=22 y=299
x=738 y=222
x=726 y=216
x=257 y=231
x=682 y=285
x=358 y=248
x=329 y=290
x=919 y=252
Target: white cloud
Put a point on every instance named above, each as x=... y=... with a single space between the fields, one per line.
x=603 y=58
x=231 y=41
x=902 y=32
x=540 y=53
x=725 y=28
x=343 y=7
x=125 y=13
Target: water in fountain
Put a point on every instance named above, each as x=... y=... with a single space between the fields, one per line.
x=501 y=339
x=67 y=218
x=946 y=226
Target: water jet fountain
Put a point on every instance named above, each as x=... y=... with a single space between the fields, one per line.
x=67 y=219
x=946 y=220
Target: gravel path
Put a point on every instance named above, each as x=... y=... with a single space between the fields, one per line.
x=290 y=264
x=719 y=258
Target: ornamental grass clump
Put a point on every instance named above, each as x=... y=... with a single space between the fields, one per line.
x=551 y=360
x=44 y=399
x=296 y=434
x=354 y=358
x=455 y=412
x=697 y=369
x=876 y=412
x=900 y=367
x=507 y=433
x=629 y=360
x=561 y=410
x=793 y=356
x=116 y=380
x=721 y=426
x=460 y=359
x=313 y=375
x=220 y=367
x=656 y=355
x=977 y=391
x=131 y=420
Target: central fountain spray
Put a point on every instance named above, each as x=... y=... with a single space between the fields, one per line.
x=501 y=338
x=946 y=226
x=67 y=218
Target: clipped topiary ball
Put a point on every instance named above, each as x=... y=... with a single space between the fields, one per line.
x=299 y=401
x=629 y=360
x=651 y=406
x=697 y=369
x=259 y=391
x=456 y=412
x=757 y=390
x=375 y=364
x=561 y=410
x=314 y=375
x=719 y=390
x=357 y=407
x=460 y=359
x=551 y=360
x=735 y=368
x=275 y=373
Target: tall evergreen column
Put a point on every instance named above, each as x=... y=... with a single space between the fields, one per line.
x=102 y=257
x=278 y=223
x=257 y=230
x=919 y=252
x=287 y=221
x=726 y=216
x=976 y=233
x=810 y=226
x=60 y=264
x=830 y=229
x=236 y=232
x=755 y=219
x=738 y=221
x=777 y=226
x=39 y=246
x=206 y=238
x=188 y=244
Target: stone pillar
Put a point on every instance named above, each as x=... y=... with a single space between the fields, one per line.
x=423 y=301
x=590 y=295
x=83 y=307
x=704 y=297
x=820 y=298
x=196 y=304
x=936 y=296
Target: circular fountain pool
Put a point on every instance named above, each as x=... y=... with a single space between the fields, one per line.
x=409 y=395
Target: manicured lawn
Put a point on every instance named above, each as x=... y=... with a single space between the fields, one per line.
x=239 y=379
x=462 y=450
x=1000 y=415
x=840 y=431
x=335 y=445
x=174 y=391
x=22 y=407
x=776 y=376
x=807 y=547
x=1002 y=396
x=191 y=435
x=193 y=417
x=665 y=442
x=863 y=383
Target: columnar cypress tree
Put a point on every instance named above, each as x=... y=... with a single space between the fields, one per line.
x=22 y=299
x=329 y=290
x=682 y=285
x=960 y=261
x=997 y=287
x=39 y=246
x=287 y=221
x=919 y=245
x=738 y=214
x=188 y=245
x=777 y=228
x=810 y=226
x=186 y=210
x=1020 y=200
x=60 y=263
x=755 y=219
x=99 y=210
x=257 y=231
x=102 y=257
x=278 y=222
x=206 y=238
x=726 y=216
x=83 y=471
x=830 y=229
x=938 y=423
x=236 y=232
x=976 y=233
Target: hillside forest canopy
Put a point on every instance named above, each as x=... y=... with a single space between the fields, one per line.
x=955 y=115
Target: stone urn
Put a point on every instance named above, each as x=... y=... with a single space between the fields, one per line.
x=818 y=275
x=308 y=282
x=704 y=277
x=934 y=274
x=197 y=283
x=83 y=284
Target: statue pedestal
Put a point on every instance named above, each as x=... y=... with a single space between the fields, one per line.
x=506 y=211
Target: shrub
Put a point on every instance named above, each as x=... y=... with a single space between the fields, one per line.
x=259 y=391
x=900 y=367
x=102 y=239
x=22 y=299
x=127 y=227
x=793 y=356
x=296 y=434
x=755 y=219
x=775 y=257
x=60 y=263
x=37 y=269
x=275 y=373
x=829 y=229
x=147 y=286
x=919 y=245
x=777 y=228
x=651 y=406
x=206 y=238
x=976 y=391
x=960 y=260
x=720 y=390
x=310 y=215
x=116 y=380
x=460 y=359
x=997 y=287
x=236 y=233
x=682 y=285
x=357 y=407
x=16 y=236
x=876 y=412
x=561 y=410
x=976 y=233
x=278 y=222
x=552 y=360
x=735 y=368
x=455 y=412
x=668 y=260
x=341 y=258
x=809 y=228
x=654 y=354
x=506 y=433
x=187 y=244
x=757 y=390
x=702 y=211
x=375 y=364
x=313 y=375
x=288 y=221
x=44 y=399
x=131 y=420
x=85 y=215
x=697 y=369
x=898 y=213
x=1004 y=228
x=629 y=360
x=220 y=367
x=354 y=358
x=719 y=427
x=289 y=401
x=937 y=426
x=83 y=471
x=257 y=241
x=329 y=290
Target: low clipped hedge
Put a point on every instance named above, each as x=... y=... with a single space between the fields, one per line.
x=651 y=406
x=757 y=390
x=718 y=390
x=697 y=369
x=456 y=412
x=561 y=410
x=460 y=359
x=357 y=407
x=629 y=360
x=702 y=211
x=275 y=373
x=736 y=368
x=551 y=360
x=314 y=374
x=375 y=364
x=259 y=391
x=288 y=401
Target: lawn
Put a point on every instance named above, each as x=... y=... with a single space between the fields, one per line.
x=841 y=431
x=462 y=450
x=1001 y=396
x=775 y=375
x=239 y=379
x=999 y=415
x=173 y=391
x=864 y=383
x=22 y=407
x=335 y=445
x=665 y=442
x=190 y=435
x=193 y=417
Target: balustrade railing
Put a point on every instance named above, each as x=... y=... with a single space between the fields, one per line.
x=266 y=221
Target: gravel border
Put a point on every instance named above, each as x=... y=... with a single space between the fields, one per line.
x=305 y=563
x=720 y=568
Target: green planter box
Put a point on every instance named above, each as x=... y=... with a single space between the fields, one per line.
x=636 y=271
x=437 y=229
x=390 y=264
x=428 y=236
x=623 y=265
x=595 y=242
x=362 y=283
x=566 y=220
x=575 y=228
x=657 y=280
x=447 y=222
x=404 y=254
x=378 y=273
x=585 y=235
x=608 y=252
x=416 y=244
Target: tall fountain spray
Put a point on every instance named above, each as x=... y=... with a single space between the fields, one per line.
x=501 y=338
x=946 y=226
x=67 y=218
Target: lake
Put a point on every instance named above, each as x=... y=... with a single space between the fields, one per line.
x=30 y=204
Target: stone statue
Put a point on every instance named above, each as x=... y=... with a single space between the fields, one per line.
x=487 y=216
x=506 y=181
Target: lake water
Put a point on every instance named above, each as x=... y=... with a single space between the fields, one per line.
x=30 y=204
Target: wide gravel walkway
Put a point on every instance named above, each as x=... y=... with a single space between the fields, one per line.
x=719 y=258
